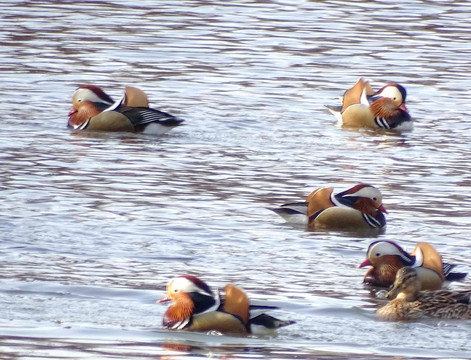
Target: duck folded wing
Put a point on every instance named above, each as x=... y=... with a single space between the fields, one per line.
x=269 y=322
x=295 y=213
x=141 y=117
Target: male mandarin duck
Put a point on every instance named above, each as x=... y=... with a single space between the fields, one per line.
x=93 y=109
x=196 y=308
x=386 y=258
x=385 y=109
x=358 y=208
x=410 y=303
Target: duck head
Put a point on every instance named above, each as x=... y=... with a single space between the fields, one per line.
x=385 y=258
x=189 y=295
x=380 y=252
x=363 y=197
x=87 y=101
x=388 y=101
x=406 y=286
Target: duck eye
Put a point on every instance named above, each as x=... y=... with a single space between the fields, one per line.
x=374 y=199
x=378 y=254
x=175 y=290
x=394 y=98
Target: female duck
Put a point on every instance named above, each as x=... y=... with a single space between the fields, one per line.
x=410 y=303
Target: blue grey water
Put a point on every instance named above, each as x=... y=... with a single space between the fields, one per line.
x=94 y=225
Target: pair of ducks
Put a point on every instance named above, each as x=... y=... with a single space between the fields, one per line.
x=417 y=280
x=196 y=308
x=94 y=110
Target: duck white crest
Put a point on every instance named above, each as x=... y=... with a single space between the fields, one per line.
x=368 y=192
x=182 y=284
x=391 y=92
x=83 y=94
x=385 y=248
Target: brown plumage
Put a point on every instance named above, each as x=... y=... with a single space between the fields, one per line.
x=362 y=107
x=92 y=109
x=387 y=257
x=358 y=208
x=353 y=96
x=183 y=307
x=411 y=304
x=196 y=308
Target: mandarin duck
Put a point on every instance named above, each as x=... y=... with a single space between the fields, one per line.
x=196 y=308
x=410 y=303
x=386 y=258
x=93 y=109
x=358 y=208
x=362 y=107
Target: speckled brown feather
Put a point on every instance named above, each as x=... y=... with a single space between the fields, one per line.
x=441 y=304
x=411 y=303
x=384 y=273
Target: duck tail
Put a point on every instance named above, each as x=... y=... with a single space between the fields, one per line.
x=452 y=276
x=269 y=321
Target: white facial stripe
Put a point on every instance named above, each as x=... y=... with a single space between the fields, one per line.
x=368 y=192
x=185 y=285
x=391 y=92
x=385 y=248
x=86 y=94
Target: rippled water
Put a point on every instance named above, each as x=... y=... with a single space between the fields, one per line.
x=94 y=225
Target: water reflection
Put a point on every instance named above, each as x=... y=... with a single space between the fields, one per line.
x=94 y=224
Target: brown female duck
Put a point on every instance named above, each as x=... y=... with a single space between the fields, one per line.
x=411 y=304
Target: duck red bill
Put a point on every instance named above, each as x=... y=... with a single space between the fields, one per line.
x=72 y=111
x=365 y=263
x=403 y=107
x=382 y=209
x=164 y=299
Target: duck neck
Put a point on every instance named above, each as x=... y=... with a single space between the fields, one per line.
x=408 y=296
x=340 y=200
x=202 y=302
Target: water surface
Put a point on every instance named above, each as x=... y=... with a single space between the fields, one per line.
x=94 y=225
